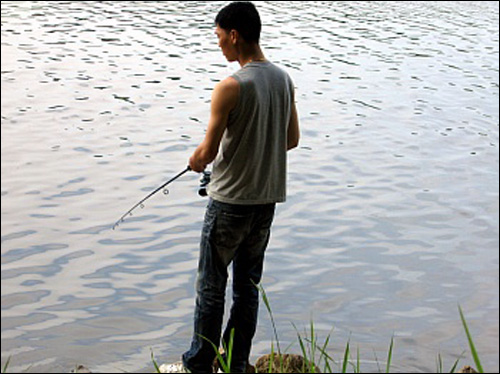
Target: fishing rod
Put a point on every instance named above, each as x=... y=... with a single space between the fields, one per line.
x=140 y=203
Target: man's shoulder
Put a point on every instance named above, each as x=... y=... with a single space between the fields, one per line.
x=226 y=93
x=230 y=85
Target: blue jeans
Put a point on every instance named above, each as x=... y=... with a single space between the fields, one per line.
x=238 y=234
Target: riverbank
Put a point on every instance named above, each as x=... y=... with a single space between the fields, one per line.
x=293 y=365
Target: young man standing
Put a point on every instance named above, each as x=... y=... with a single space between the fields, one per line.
x=253 y=123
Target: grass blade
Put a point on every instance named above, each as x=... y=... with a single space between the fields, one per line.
x=302 y=347
x=389 y=357
x=454 y=368
x=471 y=342
x=376 y=360
x=157 y=368
x=439 y=364
x=220 y=358
x=270 y=311
x=312 y=362
x=6 y=366
x=358 y=363
x=271 y=360
x=325 y=355
x=228 y=349
x=346 y=358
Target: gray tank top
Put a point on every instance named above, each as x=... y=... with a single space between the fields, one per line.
x=251 y=166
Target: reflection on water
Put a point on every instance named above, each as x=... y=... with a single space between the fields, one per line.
x=392 y=217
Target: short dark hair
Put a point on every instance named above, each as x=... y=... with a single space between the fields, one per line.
x=243 y=17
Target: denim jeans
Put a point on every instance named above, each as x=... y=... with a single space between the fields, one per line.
x=231 y=234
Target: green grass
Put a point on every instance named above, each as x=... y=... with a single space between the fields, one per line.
x=316 y=355
x=155 y=364
x=225 y=359
x=313 y=352
x=472 y=347
x=6 y=366
x=270 y=311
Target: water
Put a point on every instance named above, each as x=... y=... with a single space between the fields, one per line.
x=392 y=216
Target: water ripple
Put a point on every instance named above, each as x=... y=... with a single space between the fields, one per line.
x=392 y=215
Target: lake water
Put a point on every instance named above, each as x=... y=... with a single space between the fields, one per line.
x=392 y=218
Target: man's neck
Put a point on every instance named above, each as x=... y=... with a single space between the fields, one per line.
x=251 y=53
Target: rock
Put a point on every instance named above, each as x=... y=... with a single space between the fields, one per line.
x=178 y=367
x=291 y=364
x=172 y=368
x=467 y=369
x=217 y=368
x=80 y=369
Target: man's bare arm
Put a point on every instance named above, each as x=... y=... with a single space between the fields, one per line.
x=293 y=129
x=224 y=99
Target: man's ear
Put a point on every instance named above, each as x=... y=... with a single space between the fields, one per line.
x=234 y=35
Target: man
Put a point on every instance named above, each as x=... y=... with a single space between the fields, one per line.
x=253 y=123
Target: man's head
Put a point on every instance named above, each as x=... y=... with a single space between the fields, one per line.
x=243 y=17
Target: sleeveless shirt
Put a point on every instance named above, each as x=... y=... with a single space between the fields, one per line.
x=251 y=165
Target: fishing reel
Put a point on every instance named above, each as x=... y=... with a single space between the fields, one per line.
x=204 y=182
